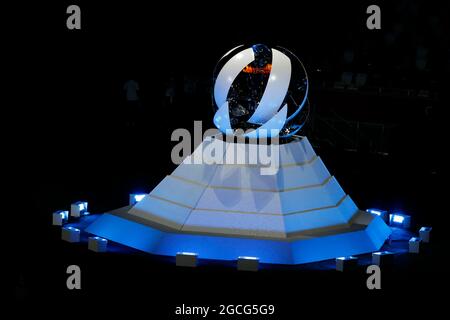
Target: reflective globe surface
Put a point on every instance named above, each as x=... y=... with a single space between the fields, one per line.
x=258 y=87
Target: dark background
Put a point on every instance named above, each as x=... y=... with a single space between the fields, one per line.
x=75 y=138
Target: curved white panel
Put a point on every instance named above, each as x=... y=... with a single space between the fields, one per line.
x=222 y=118
x=276 y=88
x=229 y=51
x=229 y=72
x=299 y=108
x=272 y=127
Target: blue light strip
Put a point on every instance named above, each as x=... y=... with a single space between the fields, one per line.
x=373 y=211
x=158 y=242
x=229 y=72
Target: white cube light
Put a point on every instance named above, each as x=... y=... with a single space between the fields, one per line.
x=414 y=245
x=136 y=197
x=425 y=234
x=245 y=263
x=60 y=217
x=383 y=214
x=346 y=263
x=186 y=259
x=70 y=234
x=382 y=258
x=97 y=244
x=400 y=220
x=78 y=209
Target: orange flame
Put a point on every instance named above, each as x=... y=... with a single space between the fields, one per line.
x=264 y=70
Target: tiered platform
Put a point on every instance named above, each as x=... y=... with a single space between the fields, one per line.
x=223 y=211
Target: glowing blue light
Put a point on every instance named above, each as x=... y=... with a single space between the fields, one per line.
x=139 y=197
x=346 y=258
x=187 y=253
x=63 y=214
x=136 y=197
x=373 y=211
x=380 y=213
x=400 y=220
x=99 y=239
x=81 y=206
x=248 y=258
x=382 y=253
x=414 y=239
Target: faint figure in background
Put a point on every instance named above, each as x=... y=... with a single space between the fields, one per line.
x=421 y=58
x=131 y=88
x=189 y=86
x=348 y=56
x=170 y=91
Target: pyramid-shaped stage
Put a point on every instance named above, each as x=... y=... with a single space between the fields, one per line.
x=223 y=211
